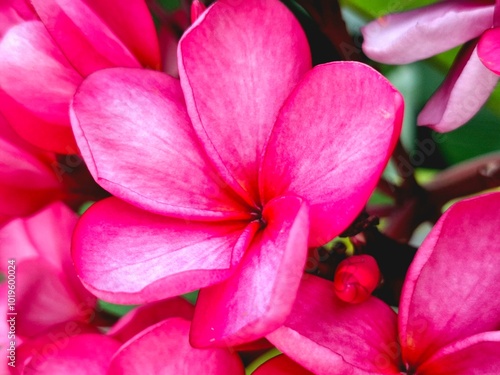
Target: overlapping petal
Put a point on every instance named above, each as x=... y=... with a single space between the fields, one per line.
x=13 y=12
x=440 y=300
x=235 y=84
x=115 y=113
x=329 y=336
x=97 y=34
x=259 y=296
x=281 y=365
x=78 y=355
x=127 y=255
x=476 y=355
x=488 y=49
x=164 y=348
x=461 y=95
x=402 y=38
x=37 y=107
x=322 y=146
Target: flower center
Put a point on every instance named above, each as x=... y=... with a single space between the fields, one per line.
x=257 y=216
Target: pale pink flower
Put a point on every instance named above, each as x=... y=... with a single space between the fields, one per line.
x=43 y=62
x=224 y=178
x=449 y=313
x=406 y=37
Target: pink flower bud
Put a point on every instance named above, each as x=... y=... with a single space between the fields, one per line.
x=356 y=278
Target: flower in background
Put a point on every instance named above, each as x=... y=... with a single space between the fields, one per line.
x=45 y=56
x=421 y=33
x=223 y=179
x=449 y=313
x=149 y=340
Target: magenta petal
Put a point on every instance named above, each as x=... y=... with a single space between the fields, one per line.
x=77 y=355
x=115 y=113
x=464 y=91
x=450 y=289
x=331 y=142
x=39 y=83
x=164 y=349
x=281 y=365
x=488 y=49
x=476 y=355
x=258 y=297
x=234 y=86
x=147 y=315
x=127 y=255
x=13 y=12
x=96 y=34
x=327 y=335
x=405 y=37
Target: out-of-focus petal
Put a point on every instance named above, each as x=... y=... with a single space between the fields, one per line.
x=127 y=255
x=476 y=355
x=258 y=297
x=13 y=12
x=331 y=142
x=96 y=34
x=39 y=83
x=235 y=84
x=464 y=91
x=281 y=365
x=488 y=49
x=164 y=348
x=450 y=289
x=80 y=355
x=149 y=314
x=136 y=137
x=405 y=37
x=328 y=336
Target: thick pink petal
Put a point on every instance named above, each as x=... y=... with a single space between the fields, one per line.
x=96 y=34
x=135 y=135
x=236 y=70
x=77 y=355
x=147 y=315
x=45 y=297
x=37 y=83
x=331 y=142
x=281 y=365
x=258 y=297
x=127 y=255
x=13 y=12
x=450 y=289
x=405 y=37
x=476 y=355
x=488 y=49
x=463 y=93
x=327 y=335
x=164 y=348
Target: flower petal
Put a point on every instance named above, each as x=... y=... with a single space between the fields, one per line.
x=115 y=114
x=234 y=86
x=327 y=335
x=476 y=355
x=13 y=12
x=78 y=355
x=281 y=365
x=464 y=91
x=258 y=297
x=440 y=298
x=149 y=314
x=331 y=143
x=127 y=255
x=37 y=84
x=402 y=38
x=97 y=34
x=488 y=49
x=164 y=348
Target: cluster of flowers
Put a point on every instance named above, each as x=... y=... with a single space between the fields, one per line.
x=216 y=160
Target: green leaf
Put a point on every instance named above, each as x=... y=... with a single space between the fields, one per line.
x=260 y=360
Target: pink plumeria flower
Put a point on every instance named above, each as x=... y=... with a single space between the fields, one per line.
x=42 y=62
x=421 y=33
x=152 y=339
x=449 y=313
x=48 y=291
x=224 y=178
